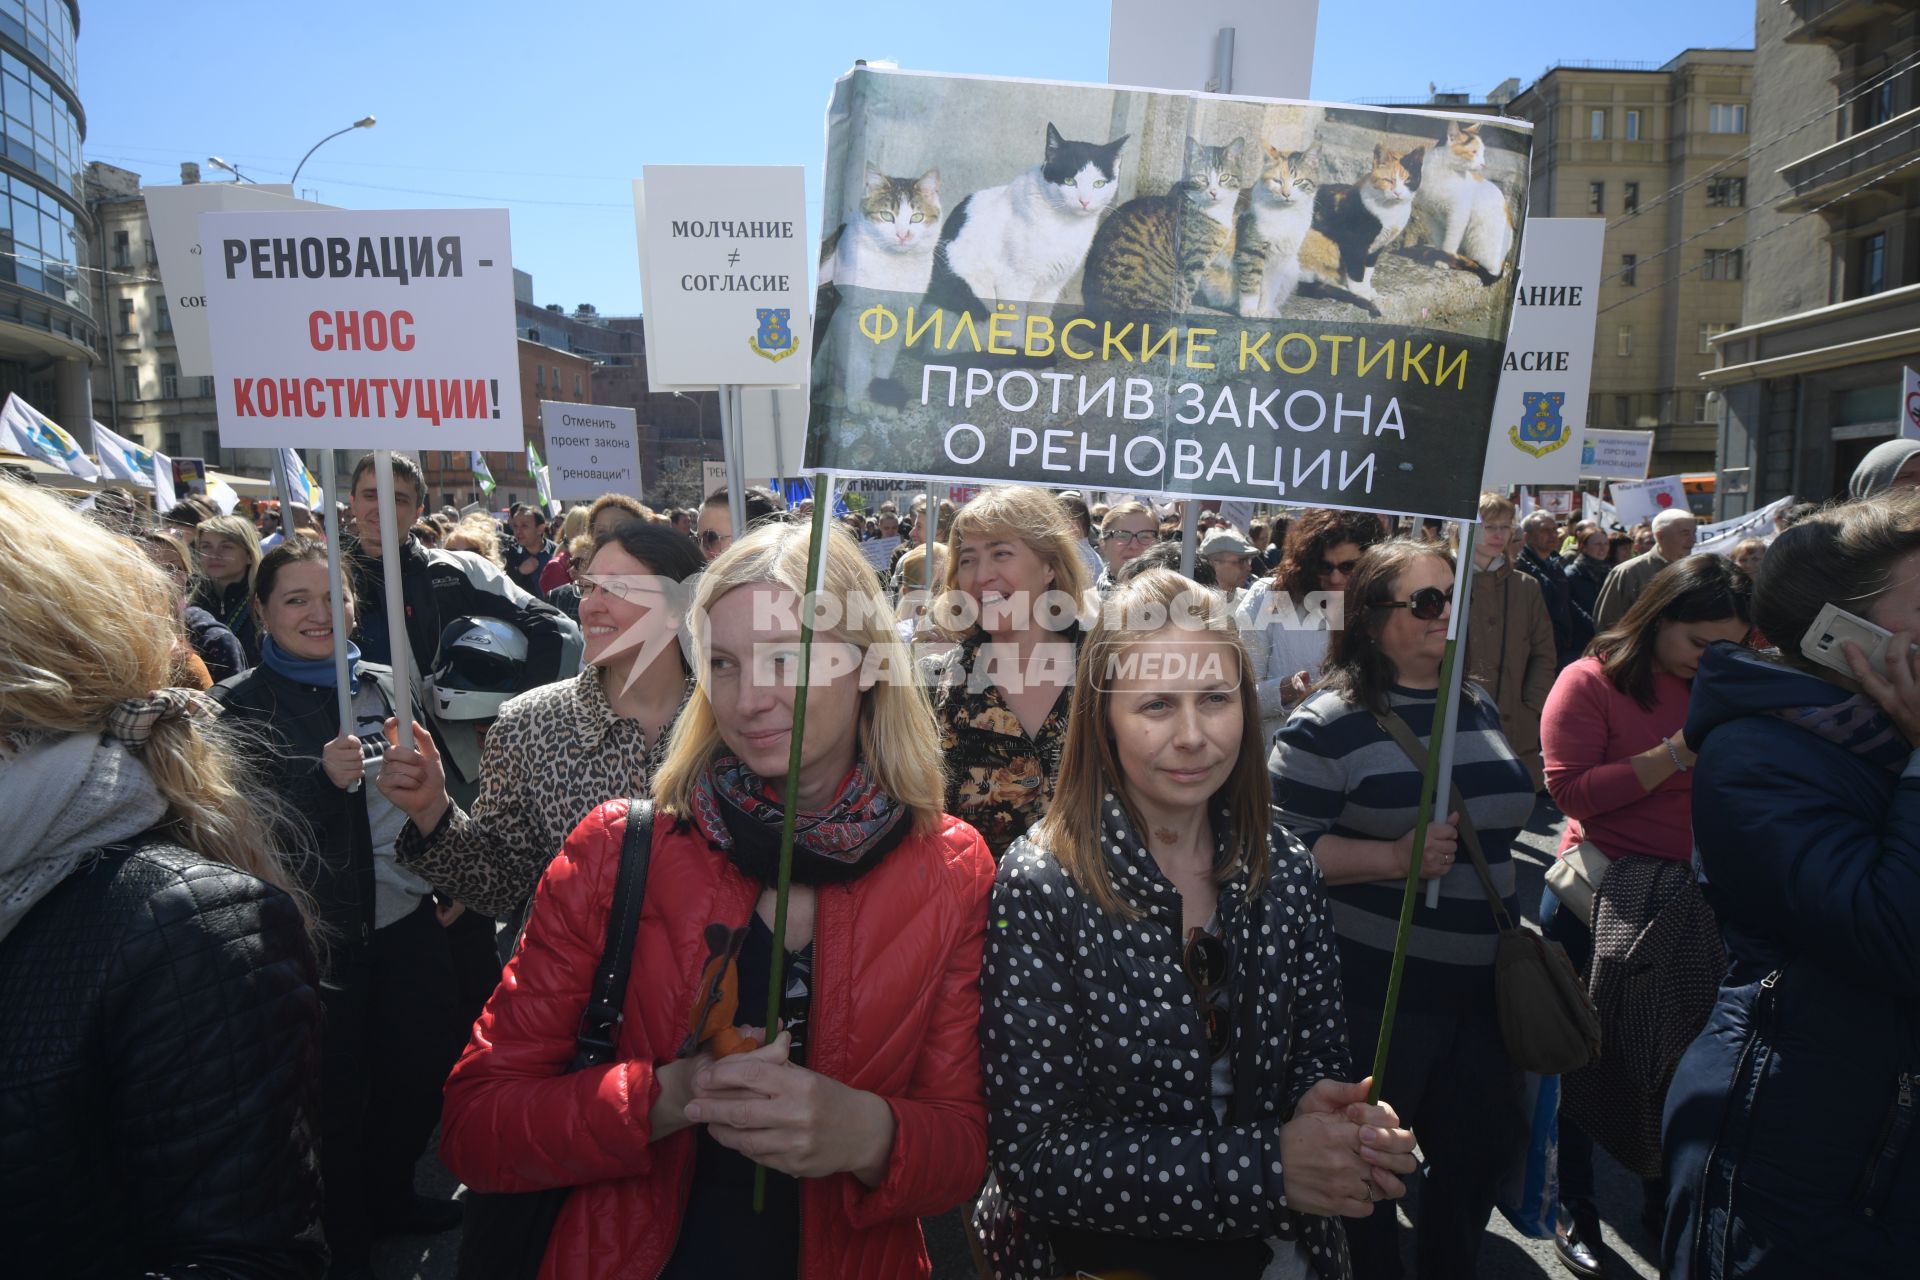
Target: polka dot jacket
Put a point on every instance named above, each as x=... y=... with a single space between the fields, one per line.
x=1100 y=1113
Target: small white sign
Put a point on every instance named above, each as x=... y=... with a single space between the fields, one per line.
x=174 y=213
x=388 y=329
x=1638 y=500
x=1540 y=411
x=713 y=478
x=1557 y=501
x=879 y=551
x=723 y=275
x=591 y=449
x=1909 y=404
x=1616 y=455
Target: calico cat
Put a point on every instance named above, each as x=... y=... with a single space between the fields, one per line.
x=1352 y=225
x=1156 y=254
x=890 y=247
x=1021 y=241
x=892 y=244
x=1472 y=225
x=1275 y=216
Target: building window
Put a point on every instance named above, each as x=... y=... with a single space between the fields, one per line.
x=1706 y=405
x=533 y=335
x=1708 y=332
x=206 y=387
x=1875 y=108
x=539 y=377
x=1870 y=273
x=1727 y=117
x=1632 y=202
x=211 y=445
x=1623 y=411
x=170 y=444
x=1726 y=193
x=1597 y=125
x=169 y=382
x=1633 y=126
x=130 y=376
x=1722 y=264
x=1596 y=197
x=153 y=258
x=1629 y=266
x=579 y=385
x=1623 y=341
x=122 y=249
x=126 y=315
x=162 y=317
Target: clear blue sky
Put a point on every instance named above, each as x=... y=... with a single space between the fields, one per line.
x=550 y=111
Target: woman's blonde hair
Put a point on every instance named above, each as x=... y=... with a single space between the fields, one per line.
x=572 y=526
x=1139 y=610
x=86 y=621
x=1121 y=510
x=477 y=534
x=1037 y=519
x=237 y=529
x=899 y=738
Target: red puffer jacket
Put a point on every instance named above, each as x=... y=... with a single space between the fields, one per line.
x=895 y=1008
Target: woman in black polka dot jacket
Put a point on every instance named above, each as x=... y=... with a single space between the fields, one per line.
x=1168 y=1083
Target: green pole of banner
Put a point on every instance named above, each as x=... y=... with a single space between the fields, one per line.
x=1429 y=787
x=822 y=499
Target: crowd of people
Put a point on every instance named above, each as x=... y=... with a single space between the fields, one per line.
x=1097 y=869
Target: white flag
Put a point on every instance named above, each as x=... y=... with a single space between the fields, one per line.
x=124 y=459
x=164 y=498
x=24 y=429
x=296 y=481
x=223 y=496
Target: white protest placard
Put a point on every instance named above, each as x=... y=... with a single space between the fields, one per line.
x=713 y=478
x=591 y=449
x=1557 y=501
x=387 y=329
x=1909 y=404
x=879 y=551
x=174 y=213
x=1722 y=536
x=1638 y=500
x=723 y=275
x=773 y=431
x=1616 y=455
x=1540 y=410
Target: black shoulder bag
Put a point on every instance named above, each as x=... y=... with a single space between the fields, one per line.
x=504 y=1236
x=1547 y=1022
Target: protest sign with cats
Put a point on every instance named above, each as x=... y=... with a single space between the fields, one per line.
x=1162 y=292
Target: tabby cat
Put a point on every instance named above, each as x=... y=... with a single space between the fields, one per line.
x=890 y=247
x=1275 y=216
x=1021 y=241
x=1472 y=224
x=1156 y=254
x=1353 y=223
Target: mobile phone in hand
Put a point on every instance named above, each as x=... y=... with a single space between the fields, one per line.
x=1833 y=627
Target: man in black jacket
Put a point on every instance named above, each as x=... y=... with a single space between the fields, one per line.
x=438 y=586
x=1539 y=541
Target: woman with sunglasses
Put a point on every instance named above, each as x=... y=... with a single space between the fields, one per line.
x=865 y=1109
x=1168 y=1083
x=1287 y=617
x=1126 y=531
x=613 y=719
x=1347 y=789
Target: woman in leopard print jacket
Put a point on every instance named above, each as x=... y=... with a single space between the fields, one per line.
x=612 y=722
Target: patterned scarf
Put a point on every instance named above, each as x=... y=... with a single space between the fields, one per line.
x=1856 y=724
x=836 y=844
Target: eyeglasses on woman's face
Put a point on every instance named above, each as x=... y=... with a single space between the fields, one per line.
x=1130 y=537
x=1345 y=568
x=1427 y=604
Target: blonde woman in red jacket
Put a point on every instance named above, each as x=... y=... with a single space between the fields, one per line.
x=867 y=1107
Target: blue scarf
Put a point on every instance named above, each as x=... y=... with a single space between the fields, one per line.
x=310 y=670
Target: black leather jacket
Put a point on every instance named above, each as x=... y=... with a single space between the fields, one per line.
x=159 y=1069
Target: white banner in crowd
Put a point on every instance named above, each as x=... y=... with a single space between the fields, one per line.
x=879 y=551
x=1603 y=513
x=1723 y=536
x=1616 y=455
x=723 y=275
x=124 y=459
x=164 y=497
x=1638 y=500
x=1540 y=410
x=591 y=449
x=26 y=430
x=174 y=213
x=384 y=329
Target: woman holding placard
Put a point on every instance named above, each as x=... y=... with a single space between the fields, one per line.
x=884 y=1122
x=1348 y=788
x=1169 y=1088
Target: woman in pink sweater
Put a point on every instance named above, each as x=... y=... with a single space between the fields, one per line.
x=1618 y=766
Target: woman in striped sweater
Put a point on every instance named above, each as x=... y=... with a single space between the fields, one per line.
x=1349 y=792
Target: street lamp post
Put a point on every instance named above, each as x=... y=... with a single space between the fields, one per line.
x=364 y=122
x=218 y=163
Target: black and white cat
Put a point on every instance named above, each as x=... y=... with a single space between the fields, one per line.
x=1023 y=240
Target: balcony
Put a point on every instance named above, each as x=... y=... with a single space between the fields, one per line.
x=1839 y=21
x=1845 y=166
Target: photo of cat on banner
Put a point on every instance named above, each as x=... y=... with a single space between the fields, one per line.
x=1162 y=292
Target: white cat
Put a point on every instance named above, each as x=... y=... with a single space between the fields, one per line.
x=1022 y=241
x=1468 y=213
x=1272 y=228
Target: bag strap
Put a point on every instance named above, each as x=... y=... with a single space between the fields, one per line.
x=594 y=1041
x=1401 y=732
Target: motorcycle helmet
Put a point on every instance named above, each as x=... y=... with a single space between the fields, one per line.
x=483 y=662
